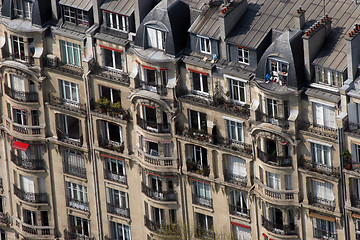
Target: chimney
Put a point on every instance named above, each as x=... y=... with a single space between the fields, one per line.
x=142 y=8
x=314 y=39
x=299 y=19
x=352 y=49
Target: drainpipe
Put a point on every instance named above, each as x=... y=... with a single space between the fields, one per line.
x=92 y=151
x=343 y=185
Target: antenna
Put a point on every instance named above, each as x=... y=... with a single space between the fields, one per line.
x=324 y=7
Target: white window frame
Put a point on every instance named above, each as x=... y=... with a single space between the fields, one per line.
x=71 y=53
x=203 y=81
x=118 y=198
x=205 y=44
x=274 y=105
x=73 y=90
x=83 y=221
x=77 y=192
x=321 y=154
x=198 y=117
x=237 y=87
x=121 y=231
x=121 y=22
x=324 y=115
x=118 y=165
x=202 y=190
x=273 y=180
x=19 y=116
x=237 y=196
x=199 y=149
x=329 y=77
x=107 y=132
x=74 y=158
x=237 y=167
x=323 y=190
x=19 y=44
x=113 y=57
x=235 y=130
x=280 y=64
x=156 y=38
x=243 y=55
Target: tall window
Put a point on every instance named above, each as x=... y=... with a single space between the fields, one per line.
x=237 y=91
x=323 y=192
x=239 y=200
x=69 y=127
x=112 y=58
x=22 y=8
x=115 y=166
x=324 y=229
x=202 y=190
x=197 y=121
x=321 y=155
x=205 y=45
x=243 y=55
x=79 y=226
x=77 y=192
x=355 y=153
x=324 y=116
x=204 y=224
x=69 y=91
x=29 y=217
x=235 y=130
x=273 y=180
x=158 y=215
x=19 y=116
x=71 y=53
x=113 y=133
x=18 y=47
x=74 y=163
x=200 y=83
x=272 y=108
x=156 y=38
x=120 y=231
x=117 y=198
x=116 y=21
x=200 y=155
x=237 y=168
x=76 y=16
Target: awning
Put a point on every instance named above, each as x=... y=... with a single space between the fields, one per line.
x=20 y=146
x=240 y=225
x=79 y=4
x=315 y=215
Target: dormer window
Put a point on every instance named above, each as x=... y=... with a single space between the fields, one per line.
x=156 y=38
x=76 y=16
x=205 y=45
x=243 y=55
x=329 y=77
x=22 y=9
x=278 y=70
x=116 y=21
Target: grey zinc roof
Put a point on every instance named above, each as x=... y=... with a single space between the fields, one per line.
x=124 y=7
x=207 y=25
x=262 y=16
x=79 y=4
x=196 y=4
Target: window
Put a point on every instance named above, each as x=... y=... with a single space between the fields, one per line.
x=109 y=93
x=79 y=226
x=70 y=127
x=273 y=180
x=235 y=130
x=156 y=186
x=69 y=91
x=321 y=155
x=329 y=77
x=113 y=134
x=324 y=116
x=355 y=153
x=239 y=202
x=172 y=216
x=354 y=115
x=167 y=150
x=150 y=118
x=202 y=190
x=117 y=198
x=200 y=83
x=71 y=53
x=288 y=182
x=18 y=47
x=120 y=231
x=156 y=38
x=29 y=217
x=158 y=215
x=115 y=166
x=197 y=121
x=204 y=225
x=77 y=192
x=272 y=108
x=243 y=55
x=205 y=45
x=2 y=234
x=22 y=9
x=241 y=232
x=112 y=58
x=324 y=229
x=19 y=116
x=76 y=16
x=237 y=91
x=200 y=155
x=27 y=185
x=323 y=193
x=152 y=148
x=74 y=163
x=237 y=169
x=357 y=228
x=35 y=117
x=278 y=67
x=116 y=21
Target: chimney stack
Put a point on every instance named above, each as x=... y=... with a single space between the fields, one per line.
x=299 y=18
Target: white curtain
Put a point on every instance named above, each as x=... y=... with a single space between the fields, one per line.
x=323 y=190
x=237 y=166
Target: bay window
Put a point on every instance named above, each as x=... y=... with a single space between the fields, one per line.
x=156 y=186
x=113 y=133
x=158 y=215
x=74 y=163
x=156 y=38
x=71 y=53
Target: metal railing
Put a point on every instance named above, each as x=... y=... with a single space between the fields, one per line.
x=324 y=234
x=114 y=75
x=113 y=176
x=118 y=210
x=239 y=211
x=153 y=87
x=152 y=126
x=118 y=113
x=66 y=104
x=161 y=228
x=34 y=230
x=192 y=166
x=31 y=164
x=74 y=170
x=202 y=201
x=158 y=195
x=31 y=197
x=281 y=161
x=71 y=138
x=235 y=178
x=21 y=96
x=278 y=228
x=75 y=203
x=74 y=235
x=321 y=202
x=319 y=167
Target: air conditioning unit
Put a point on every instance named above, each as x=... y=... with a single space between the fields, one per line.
x=131 y=36
x=52 y=60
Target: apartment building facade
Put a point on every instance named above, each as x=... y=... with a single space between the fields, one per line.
x=169 y=119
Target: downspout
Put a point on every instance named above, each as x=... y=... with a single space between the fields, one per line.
x=343 y=185
x=92 y=152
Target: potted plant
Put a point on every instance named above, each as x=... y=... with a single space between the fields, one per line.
x=115 y=108
x=103 y=104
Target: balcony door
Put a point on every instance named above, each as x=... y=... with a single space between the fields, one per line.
x=29 y=217
x=276 y=218
x=237 y=168
x=156 y=186
x=28 y=186
x=150 y=118
x=71 y=127
x=158 y=215
x=113 y=134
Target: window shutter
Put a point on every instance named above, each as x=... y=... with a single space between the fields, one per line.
x=352 y=115
x=354 y=152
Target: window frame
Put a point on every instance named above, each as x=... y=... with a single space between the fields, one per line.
x=243 y=55
x=273 y=180
x=121 y=24
x=160 y=38
x=236 y=127
x=71 y=53
x=204 y=44
x=77 y=192
x=237 y=87
x=73 y=90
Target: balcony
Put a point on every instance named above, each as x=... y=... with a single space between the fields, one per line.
x=31 y=197
x=277 y=121
x=240 y=147
x=25 y=129
x=70 y=138
x=274 y=160
x=235 y=179
x=73 y=235
x=78 y=204
x=157 y=161
x=319 y=167
x=324 y=234
x=278 y=228
x=196 y=134
x=117 y=210
x=111 y=145
x=21 y=95
x=153 y=87
x=112 y=75
x=43 y=231
x=321 y=202
x=109 y=112
x=158 y=195
x=355 y=200
x=116 y=177
x=194 y=167
x=66 y=104
x=319 y=129
x=4 y=218
x=160 y=228
x=275 y=194
x=30 y=164
x=74 y=170
x=239 y=211
x=202 y=201
x=64 y=68
x=152 y=126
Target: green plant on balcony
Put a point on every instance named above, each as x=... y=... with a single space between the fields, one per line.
x=103 y=104
x=191 y=165
x=346 y=156
x=205 y=171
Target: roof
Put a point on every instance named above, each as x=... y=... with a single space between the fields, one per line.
x=208 y=24
x=262 y=16
x=124 y=7
x=79 y=4
x=196 y=4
